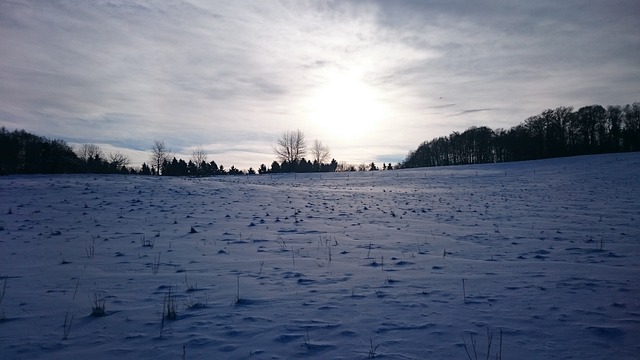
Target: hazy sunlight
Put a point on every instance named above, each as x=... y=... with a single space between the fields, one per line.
x=346 y=106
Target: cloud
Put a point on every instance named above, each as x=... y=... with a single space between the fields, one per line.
x=469 y=111
x=235 y=74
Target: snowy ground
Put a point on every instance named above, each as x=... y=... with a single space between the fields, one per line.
x=544 y=255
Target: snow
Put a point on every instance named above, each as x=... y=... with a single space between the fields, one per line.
x=410 y=264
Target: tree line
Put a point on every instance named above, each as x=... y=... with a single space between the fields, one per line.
x=553 y=133
x=291 y=149
x=556 y=132
x=163 y=164
x=25 y=153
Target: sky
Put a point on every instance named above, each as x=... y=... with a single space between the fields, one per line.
x=370 y=79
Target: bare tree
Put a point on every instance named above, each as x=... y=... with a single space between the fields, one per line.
x=89 y=151
x=118 y=160
x=199 y=156
x=159 y=153
x=344 y=166
x=320 y=153
x=290 y=146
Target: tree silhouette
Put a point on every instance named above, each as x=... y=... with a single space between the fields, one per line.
x=631 y=132
x=25 y=153
x=88 y=151
x=320 y=153
x=559 y=132
x=192 y=168
x=159 y=155
x=118 y=161
x=234 y=171
x=145 y=170
x=290 y=147
x=275 y=167
x=199 y=157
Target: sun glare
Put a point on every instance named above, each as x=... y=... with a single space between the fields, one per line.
x=346 y=107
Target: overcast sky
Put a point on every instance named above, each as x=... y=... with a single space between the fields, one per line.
x=371 y=79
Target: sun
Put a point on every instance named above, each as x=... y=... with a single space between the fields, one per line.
x=346 y=107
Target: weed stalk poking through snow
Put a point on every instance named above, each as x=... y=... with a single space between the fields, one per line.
x=155 y=266
x=75 y=291
x=4 y=289
x=66 y=326
x=98 y=308
x=307 y=341
x=489 y=342
x=190 y=287
x=2 y=292
x=293 y=256
x=464 y=292
x=90 y=251
x=170 y=306
x=147 y=243
x=238 y=300
x=169 y=309
x=372 y=349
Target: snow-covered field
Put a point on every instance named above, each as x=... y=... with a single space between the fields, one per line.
x=543 y=255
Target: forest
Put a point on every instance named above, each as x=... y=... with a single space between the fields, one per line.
x=559 y=132
x=552 y=133
x=25 y=153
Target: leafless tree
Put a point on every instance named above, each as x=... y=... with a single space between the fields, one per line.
x=159 y=153
x=290 y=146
x=88 y=151
x=198 y=156
x=118 y=160
x=344 y=166
x=320 y=152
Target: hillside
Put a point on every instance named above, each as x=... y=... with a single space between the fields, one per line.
x=408 y=264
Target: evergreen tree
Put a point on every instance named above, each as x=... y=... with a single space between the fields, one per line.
x=275 y=167
x=145 y=170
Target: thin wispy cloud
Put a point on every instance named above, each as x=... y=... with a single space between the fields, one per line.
x=470 y=111
x=370 y=79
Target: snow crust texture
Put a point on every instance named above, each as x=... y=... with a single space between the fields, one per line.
x=539 y=260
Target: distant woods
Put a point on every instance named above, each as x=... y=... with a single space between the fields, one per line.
x=25 y=153
x=291 y=149
x=21 y=152
x=553 y=133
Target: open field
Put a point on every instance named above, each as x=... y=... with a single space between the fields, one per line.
x=411 y=264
